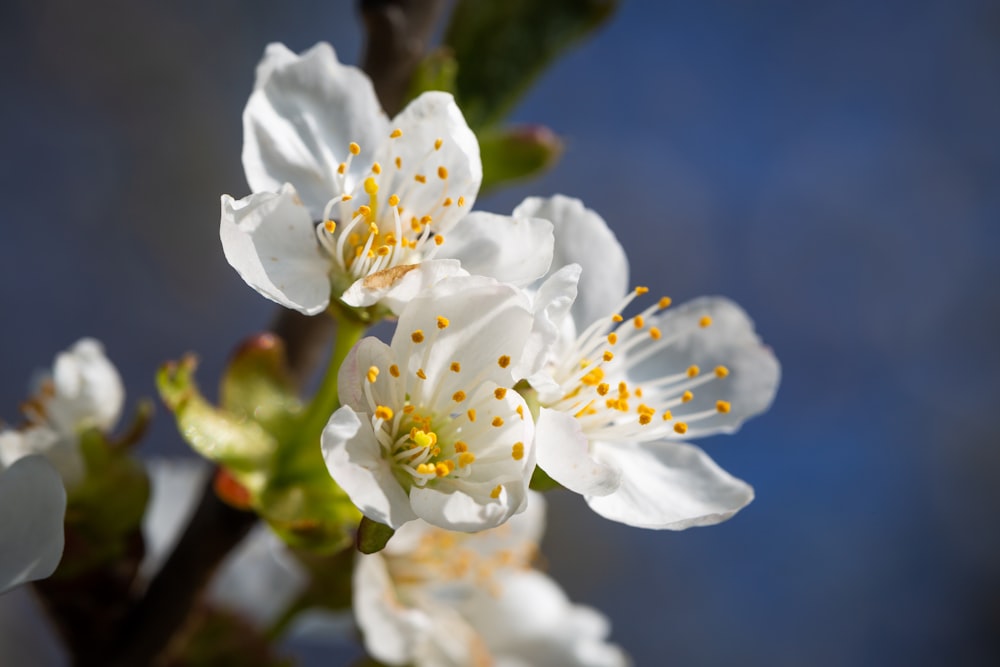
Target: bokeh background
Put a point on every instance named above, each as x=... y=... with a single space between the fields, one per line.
x=834 y=167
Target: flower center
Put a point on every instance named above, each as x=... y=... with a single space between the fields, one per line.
x=386 y=231
x=593 y=378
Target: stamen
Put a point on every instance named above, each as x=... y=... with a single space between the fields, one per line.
x=394 y=371
x=443 y=322
x=503 y=361
x=417 y=336
x=442 y=173
x=372 y=374
x=497 y=421
x=517 y=451
x=455 y=367
x=500 y=392
x=705 y=321
x=396 y=134
x=458 y=396
x=354 y=148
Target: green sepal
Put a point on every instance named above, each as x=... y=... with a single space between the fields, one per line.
x=437 y=71
x=258 y=386
x=314 y=515
x=517 y=153
x=241 y=444
x=502 y=45
x=372 y=536
x=540 y=481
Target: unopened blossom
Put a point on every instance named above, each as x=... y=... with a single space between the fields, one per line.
x=350 y=205
x=619 y=395
x=39 y=461
x=429 y=426
x=438 y=598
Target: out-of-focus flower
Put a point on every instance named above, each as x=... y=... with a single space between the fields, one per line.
x=83 y=391
x=32 y=507
x=389 y=196
x=428 y=426
x=618 y=395
x=434 y=597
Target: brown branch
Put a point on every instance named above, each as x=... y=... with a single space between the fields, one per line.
x=398 y=31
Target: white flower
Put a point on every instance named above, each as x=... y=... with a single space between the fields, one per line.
x=428 y=426
x=618 y=395
x=438 y=598
x=392 y=197
x=32 y=507
x=83 y=391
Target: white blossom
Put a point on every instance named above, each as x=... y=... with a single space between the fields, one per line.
x=429 y=427
x=619 y=395
x=391 y=197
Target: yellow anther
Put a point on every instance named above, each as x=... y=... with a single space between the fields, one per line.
x=461 y=201
x=363 y=210
x=372 y=374
x=446 y=202
x=471 y=414
x=415 y=225
x=461 y=447
x=443 y=322
x=664 y=302
x=377 y=169
x=644 y=409
x=603 y=389
x=437 y=144
x=426 y=220
x=667 y=415
x=705 y=321
x=520 y=412
x=645 y=419
x=342 y=167
x=594 y=376
x=681 y=428
x=638 y=321
x=655 y=333
x=417 y=336
x=346 y=197
x=394 y=371
x=612 y=338
x=438 y=239
x=495 y=493
x=442 y=173
x=623 y=389
x=638 y=392
x=503 y=361
x=455 y=367
x=354 y=148
x=500 y=392
x=396 y=134
x=383 y=251
x=517 y=451
x=723 y=406
x=686 y=397
x=371 y=186
x=420 y=178
x=693 y=371
x=641 y=290
x=399 y=163
x=408 y=409
x=373 y=228
x=465 y=458
x=390 y=239
x=497 y=421
x=617 y=318
x=421 y=374
x=426 y=469
x=721 y=371
x=330 y=226
x=393 y=200
x=383 y=412
x=443 y=468
x=458 y=396
x=423 y=438
x=608 y=355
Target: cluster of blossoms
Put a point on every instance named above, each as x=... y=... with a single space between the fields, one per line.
x=512 y=348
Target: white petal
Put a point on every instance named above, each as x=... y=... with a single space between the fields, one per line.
x=511 y=249
x=432 y=116
x=270 y=239
x=396 y=286
x=88 y=389
x=582 y=237
x=551 y=306
x=61 y=451
x=730 y=341
x=32 y=508
x=562 y=451
x=354 y=458
x=527 y=619
x=353 y=372
x=300 y=119
x=669 y=485
x=460 y=511
x=391 y=631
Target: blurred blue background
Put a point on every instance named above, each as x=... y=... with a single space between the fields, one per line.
x=833 y=167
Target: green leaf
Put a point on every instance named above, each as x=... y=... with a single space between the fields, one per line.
x=239 y=443
x=373 y=536
x=517 y=153
x=257 y=385
x=502 y=45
